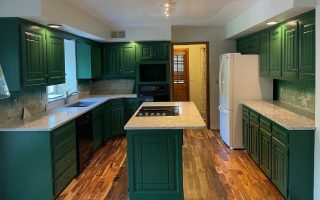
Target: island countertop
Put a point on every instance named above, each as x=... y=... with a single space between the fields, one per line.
x=188 y=118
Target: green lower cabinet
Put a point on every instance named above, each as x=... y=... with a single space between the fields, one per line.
x=117 y=117
x=254 y=141
x=280 y=166
x=98 y=126
x=38 y=164
x=131 y=107
x=265 y=152
x=155 y=164
x=107 y=123
x=246 y=133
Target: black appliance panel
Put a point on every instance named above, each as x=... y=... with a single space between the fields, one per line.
x=153 y=72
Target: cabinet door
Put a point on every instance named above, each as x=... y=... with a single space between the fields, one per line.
x=96 y=61
x=97 y=129
x=253 y=43
x=131 y=107
x=264 y=54
x=307 y=47
x=107 y=123
x=280 y=166
x=153 y=51
x=161 y=51
x=127 y=59
x=33 y=48
x=117 y=120
x=290 y=50
x=83 y=60
x=55 y=58
x=265 y=152
x=254 y=141
x=245 y=133
x=275 y=52
x=112 y=60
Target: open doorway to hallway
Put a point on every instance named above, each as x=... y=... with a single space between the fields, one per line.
x=190 y=72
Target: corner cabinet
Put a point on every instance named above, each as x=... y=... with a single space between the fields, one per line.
x=285 y=156
x=30 y=54
x=153 y=51
x=41 y=165
x=119 y=60
x=88 y=59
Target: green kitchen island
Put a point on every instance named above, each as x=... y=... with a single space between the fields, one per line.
x=155 y=150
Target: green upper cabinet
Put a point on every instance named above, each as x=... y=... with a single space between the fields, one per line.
x=307 y=47
x=33 y=55
x=88 y=58
x=264 y=53
x=275 y=52
x=290 y=50
x=30 y=54
x=119 y=60
x=248 y=44
x=55 y=58
x=151 y=51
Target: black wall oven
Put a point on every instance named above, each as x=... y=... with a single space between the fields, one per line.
x=84 y=140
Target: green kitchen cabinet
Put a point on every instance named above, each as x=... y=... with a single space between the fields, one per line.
x=307 y=47
x=249 y=44
x=98 y=126
x=117 y=117
x=275 y=52
x=290 y=56
x=254 y=141
x=107 y=123
x=88 y=59
x=280 y=166
x=55 y=58
x=39 y=165
x=131 y=107
x=285 y=156
x=265 y=151
x=155 y=164
x=265 y=53
x=152 y=51
x=119 y=60
x=246 y=133
x=33 y=55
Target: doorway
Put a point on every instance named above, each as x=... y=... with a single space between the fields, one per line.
x=190 y=75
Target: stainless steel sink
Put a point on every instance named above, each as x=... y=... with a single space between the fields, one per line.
x=82 y=104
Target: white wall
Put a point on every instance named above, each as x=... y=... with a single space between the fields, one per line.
x=317 y=109
x=14 y=8
x=217 y=46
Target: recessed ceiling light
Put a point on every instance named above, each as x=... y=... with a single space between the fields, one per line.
x=271 y=23
x=35 y=27
x=54 y=25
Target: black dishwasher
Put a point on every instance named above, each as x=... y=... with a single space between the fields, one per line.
x=84 y=140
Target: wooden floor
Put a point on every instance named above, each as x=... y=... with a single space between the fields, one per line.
x=210 y=169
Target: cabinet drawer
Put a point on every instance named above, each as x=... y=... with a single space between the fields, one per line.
x=59 y=151
x=254 y=116
x=245 y=111
x=279 y=133
x=117 y=102
x=61 y=182
x=98 y=111
x=265 y=124
x=60 y=134
x=63 y=163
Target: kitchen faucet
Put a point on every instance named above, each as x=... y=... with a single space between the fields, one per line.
x=69 y=95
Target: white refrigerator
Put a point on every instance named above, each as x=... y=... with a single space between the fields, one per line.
x=239 y=80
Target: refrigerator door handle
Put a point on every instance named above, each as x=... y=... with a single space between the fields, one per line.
x=223 y=110
x=220 y=75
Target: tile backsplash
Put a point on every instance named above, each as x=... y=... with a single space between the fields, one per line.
x=114 y=86
x=34 y=99
x=297 y=94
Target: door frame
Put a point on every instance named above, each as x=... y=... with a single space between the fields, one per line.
x=187 y=72
x=206 y=43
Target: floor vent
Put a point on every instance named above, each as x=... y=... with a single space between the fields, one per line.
x=118 y=34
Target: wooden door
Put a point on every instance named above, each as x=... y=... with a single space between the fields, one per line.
x=181 y=75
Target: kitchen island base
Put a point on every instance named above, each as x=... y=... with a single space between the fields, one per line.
x=155 y=164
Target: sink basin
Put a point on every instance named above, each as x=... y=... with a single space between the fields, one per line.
x=81 y=104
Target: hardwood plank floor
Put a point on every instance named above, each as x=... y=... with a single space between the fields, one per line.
x=210 y=171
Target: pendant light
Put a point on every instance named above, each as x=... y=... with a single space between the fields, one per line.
x=4 y=91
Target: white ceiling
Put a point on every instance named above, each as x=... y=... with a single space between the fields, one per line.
x=142 y=13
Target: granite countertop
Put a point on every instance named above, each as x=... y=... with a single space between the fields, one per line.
x=189 y=118
x=282 y=115
x=47 y=121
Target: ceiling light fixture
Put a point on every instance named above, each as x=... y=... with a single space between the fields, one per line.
x=54 y=25
x=271 y=23
x=167 y=7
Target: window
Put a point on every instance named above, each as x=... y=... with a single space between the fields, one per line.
x=59 y=91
